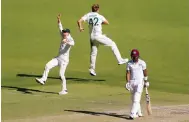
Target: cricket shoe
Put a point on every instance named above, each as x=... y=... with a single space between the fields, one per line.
x=139 y=115
x=40 y=81
x=92 y=72
x=131 y=118
x=63 y=92
x=123 y=61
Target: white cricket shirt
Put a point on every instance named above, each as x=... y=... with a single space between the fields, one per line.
x=136 y=70
x=64 y=49
x=94 y=20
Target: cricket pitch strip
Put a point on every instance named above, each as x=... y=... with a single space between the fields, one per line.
x=174 y=113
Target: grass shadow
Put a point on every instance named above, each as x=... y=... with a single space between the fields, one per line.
x=100 y=113
x=67 y=78
x=26 y=90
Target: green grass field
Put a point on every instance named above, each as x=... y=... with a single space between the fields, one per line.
x=30 y=38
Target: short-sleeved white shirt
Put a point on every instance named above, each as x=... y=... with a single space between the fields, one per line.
x=95 y=21
x=136 y=70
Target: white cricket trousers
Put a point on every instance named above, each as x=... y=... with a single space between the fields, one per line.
x=53 y=63
x=104 y=40
x=135 y=98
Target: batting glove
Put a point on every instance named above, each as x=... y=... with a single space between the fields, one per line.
x=128 y=86
x=146 y=84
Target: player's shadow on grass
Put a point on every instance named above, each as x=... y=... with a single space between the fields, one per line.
x=100 y=113
x=67 y=78
x=26 y=90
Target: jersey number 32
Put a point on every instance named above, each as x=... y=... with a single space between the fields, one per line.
x=93 y=21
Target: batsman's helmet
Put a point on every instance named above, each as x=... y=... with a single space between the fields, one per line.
x=135 y=55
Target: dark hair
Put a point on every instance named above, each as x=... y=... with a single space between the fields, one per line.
x=66 y=30
x=95 y=7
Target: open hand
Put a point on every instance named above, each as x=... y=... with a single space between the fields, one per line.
x=81 y=29
x=59 y=15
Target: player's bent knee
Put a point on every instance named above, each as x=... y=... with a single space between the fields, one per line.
x=47 y=67
x=112 y=44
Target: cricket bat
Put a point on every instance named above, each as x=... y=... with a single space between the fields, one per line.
x=148 y=104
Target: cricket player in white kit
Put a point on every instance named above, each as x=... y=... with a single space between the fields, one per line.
x=136 y=76
x=95 y=21
x=62 y=59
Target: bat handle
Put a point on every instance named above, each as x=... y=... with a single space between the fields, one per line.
x=146 y=90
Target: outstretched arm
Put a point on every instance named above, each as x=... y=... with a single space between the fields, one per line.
x=105 y=22
x=59 y=23
x=80 y=24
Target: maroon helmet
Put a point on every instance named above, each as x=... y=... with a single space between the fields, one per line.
x=135 y=55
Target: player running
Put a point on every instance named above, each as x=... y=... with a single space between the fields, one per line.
x=62 y=59
x=95 y=21
x=136 y=76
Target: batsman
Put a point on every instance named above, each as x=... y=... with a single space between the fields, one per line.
x=136 y=77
